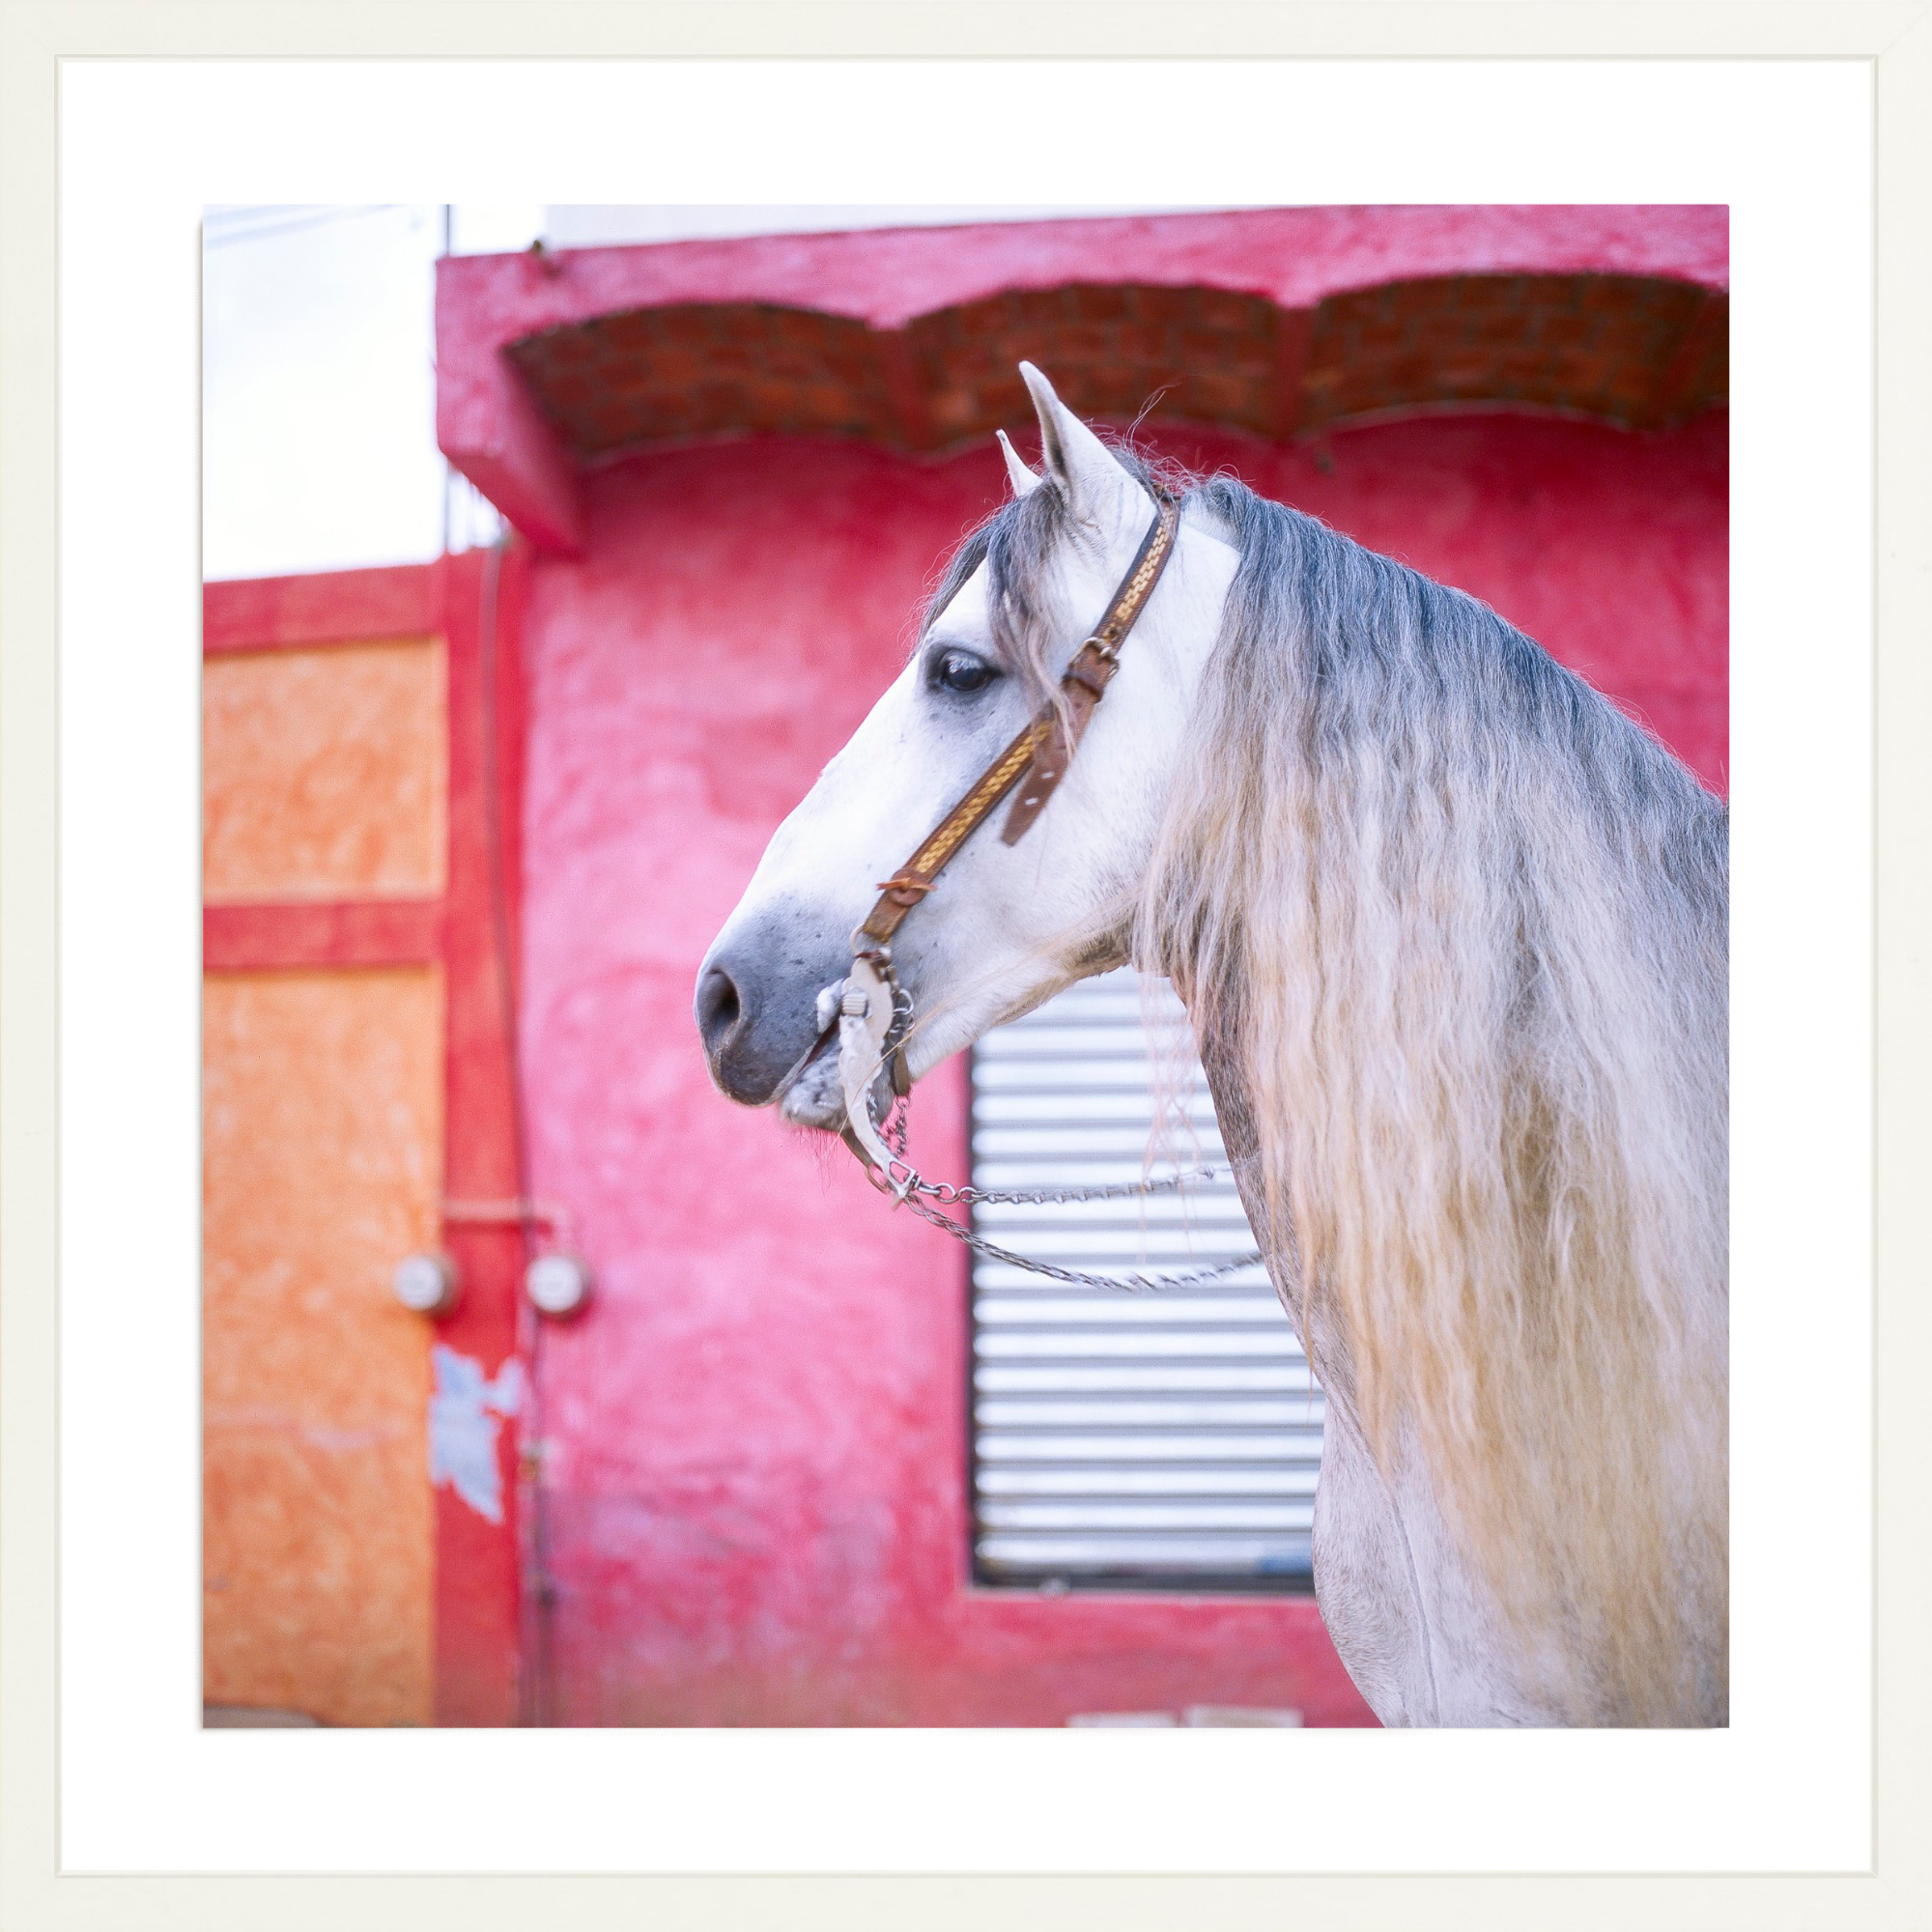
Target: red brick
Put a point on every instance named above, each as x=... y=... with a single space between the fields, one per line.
x=1522 y=365
x=1143 y=341
x=1595 y=343
x=1429 y=296
x=1100 y=302
x=571 y=389
x=1631 y=335
x=951 y=409
x=1081 y=341
x=1225 y=309
x=1568 y=329
x=628 y=335
x=1217 y=392
x=1164 y=305
x=1466 y=295
x=1504 y=328
x=1604 y=294
x=688 y=326
x=825 y=402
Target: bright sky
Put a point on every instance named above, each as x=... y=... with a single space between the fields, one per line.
x=318 y=365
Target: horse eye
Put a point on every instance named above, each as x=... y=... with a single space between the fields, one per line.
x=961 y=670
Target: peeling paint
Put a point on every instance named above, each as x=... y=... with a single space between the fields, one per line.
x=466 y=1418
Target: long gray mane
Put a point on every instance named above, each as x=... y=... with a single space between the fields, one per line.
x=1457 y=929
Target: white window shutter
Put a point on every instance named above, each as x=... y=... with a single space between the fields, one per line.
x=1163 y=1438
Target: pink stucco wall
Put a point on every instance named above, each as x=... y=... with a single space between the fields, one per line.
x=756 y=1473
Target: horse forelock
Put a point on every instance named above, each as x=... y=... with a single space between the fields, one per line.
x=1459 y=927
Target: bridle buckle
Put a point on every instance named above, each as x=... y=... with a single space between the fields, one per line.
x=906 y=886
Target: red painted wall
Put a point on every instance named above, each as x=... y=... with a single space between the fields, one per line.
x=755 y=1473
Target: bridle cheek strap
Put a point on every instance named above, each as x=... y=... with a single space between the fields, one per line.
x=873 y=1014
x=1042 y=750
x=1084 y=681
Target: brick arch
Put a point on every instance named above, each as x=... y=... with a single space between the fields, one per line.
x=1638 y=351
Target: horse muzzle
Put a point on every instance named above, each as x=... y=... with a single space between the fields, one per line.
x=756 y=1005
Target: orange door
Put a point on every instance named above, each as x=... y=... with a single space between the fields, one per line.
x=323 y=1063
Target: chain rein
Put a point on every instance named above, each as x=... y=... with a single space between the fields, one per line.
x=915 y=1186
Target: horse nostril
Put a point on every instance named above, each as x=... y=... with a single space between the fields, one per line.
x=718 y=1007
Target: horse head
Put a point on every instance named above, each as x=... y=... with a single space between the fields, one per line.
x=1008 y=924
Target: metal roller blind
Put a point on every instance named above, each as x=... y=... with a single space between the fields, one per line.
x=1170 y=1437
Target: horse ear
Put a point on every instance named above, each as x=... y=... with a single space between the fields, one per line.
x=1096 y=489
x=1023 y=479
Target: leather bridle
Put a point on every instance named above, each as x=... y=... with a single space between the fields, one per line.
x=873 y=1010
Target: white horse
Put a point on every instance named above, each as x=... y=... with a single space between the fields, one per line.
x=1452 y=935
